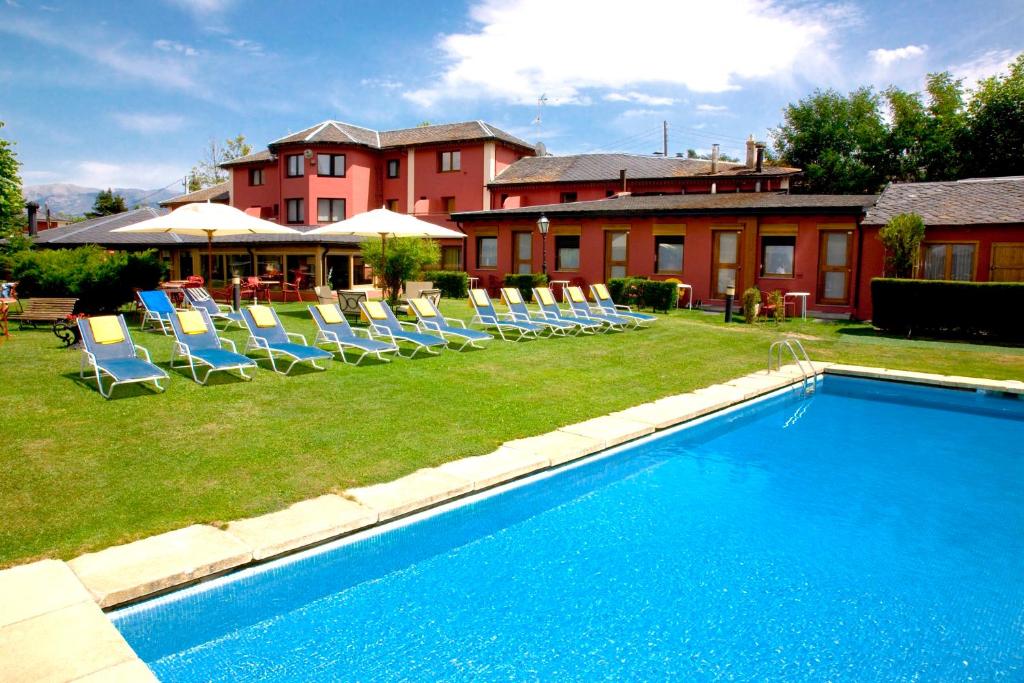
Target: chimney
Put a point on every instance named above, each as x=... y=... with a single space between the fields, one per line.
x=760 y=157
x=714 y=158
x=33 y=226
x=751 y=152
x=622 y=179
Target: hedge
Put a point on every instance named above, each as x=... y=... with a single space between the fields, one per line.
x=964 y=309
x=641 y=292
x=526 y=283
x=453 y=284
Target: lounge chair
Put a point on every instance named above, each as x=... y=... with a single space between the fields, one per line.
x=502 y=322
x=196 y=340
x=548 y=309
x=579 y=306
x=266 y=333
x=604 y=302
x=157 y=309
x=199 y=298
x=385 y=325
x=334 y=330
x=431 y=320
x=520 y=313
x=108 y=349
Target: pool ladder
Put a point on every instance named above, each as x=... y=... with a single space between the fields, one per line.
x=799 y=354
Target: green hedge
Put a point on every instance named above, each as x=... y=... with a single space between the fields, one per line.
x=454 y=284
x=102 y=281
x=641 y=292
x=965 y=309
x=526 y=283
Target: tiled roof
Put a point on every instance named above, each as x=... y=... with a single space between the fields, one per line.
x=346 y=133
x=332 y=131
x=220 y=192
x=961 y=202
x=682 y=204
x=265 y=155
x=606 y=167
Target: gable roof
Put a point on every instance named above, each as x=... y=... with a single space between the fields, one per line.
x=221 y=192
x=332 y=131
x=346 y=133
x=972 y=201
x=264 y=155
x=606 y=167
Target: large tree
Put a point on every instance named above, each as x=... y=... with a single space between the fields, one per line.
x=11 y=201
x=208 y=171
x=995 y=140
x=926 y=135
x=106 y=204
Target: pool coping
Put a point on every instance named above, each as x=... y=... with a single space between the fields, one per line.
x=55 y=628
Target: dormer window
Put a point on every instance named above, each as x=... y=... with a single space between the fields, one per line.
x=332 y=165
x=448 y=162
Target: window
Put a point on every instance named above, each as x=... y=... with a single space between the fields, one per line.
x=449 y=161
x=362 y=274
x=487 y=252
x=777 y=255
x=296 y=209
x=449 y=204
x=330 y=210
x=668 y=254
x=949 y=262
x=568 y=197
x=391 y=204
x=269 y=266
x=255 y=176
x=295 y=166
x=332 y=165
x=451 y=258
x=567 y=252
x=393 y=168
x=522 y=252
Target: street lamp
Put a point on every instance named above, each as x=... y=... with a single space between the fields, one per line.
x=543 y=224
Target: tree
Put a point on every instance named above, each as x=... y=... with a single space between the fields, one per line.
x=994 y=142
x=925 y=137
x=106 y=204
x=400 y=259
x=839 y=141
x=208 y=171
x=11 y=201
x=902 y=237
x=693 y=154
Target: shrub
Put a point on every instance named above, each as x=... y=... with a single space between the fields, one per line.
x=902 y=237
x=525 y=283
x=401 y=259
x=626 y=290
x=751 y=299
x=452 y=283
x=966 y=309
x=778 y=303
x=102 y=281
x=641 y=292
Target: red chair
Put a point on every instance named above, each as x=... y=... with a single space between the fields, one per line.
x=251 y=287
x=767 y=309
x=293 y=288
x=195 y=280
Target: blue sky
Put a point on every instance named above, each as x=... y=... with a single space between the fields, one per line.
x=97 y=94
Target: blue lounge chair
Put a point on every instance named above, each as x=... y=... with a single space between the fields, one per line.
x=548 y=309
x=157 y=309
x=603 y=301
x=431 y=320
x=580 y=308
x=108 y=349
x=385 y=325
x=502 y=322
x=199 y=298
x=520 y=313
x=266 y=333
x=333 y=329
x=196 y=340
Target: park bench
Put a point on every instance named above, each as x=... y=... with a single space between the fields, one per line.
x=51 y=311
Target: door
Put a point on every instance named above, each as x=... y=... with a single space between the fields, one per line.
x=834 y=267
x=522 y=252
x=1007 y=262
x=338 y=275
x=616 y=254
x=725 y=262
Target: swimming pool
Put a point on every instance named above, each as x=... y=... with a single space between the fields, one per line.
x=874 y=531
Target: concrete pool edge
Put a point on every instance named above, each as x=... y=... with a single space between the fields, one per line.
x=58 y=631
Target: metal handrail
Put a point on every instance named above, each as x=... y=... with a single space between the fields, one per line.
x=793 y=345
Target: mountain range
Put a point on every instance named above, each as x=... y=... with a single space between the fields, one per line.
x=74 y=200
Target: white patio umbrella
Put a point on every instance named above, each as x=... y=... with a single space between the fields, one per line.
x=209 y=220
x=385 y=223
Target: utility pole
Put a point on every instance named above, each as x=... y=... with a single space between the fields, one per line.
x=664 y=138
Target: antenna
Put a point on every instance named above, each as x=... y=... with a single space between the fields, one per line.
x=541 y=101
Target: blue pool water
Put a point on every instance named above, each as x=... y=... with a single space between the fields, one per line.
x=872 y=532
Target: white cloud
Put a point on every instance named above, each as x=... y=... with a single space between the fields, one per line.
x=985 y=65
x=203 y=8
x=382 y=83
x=885 y=57
x=173 y=46
x=640 y=98
x=245 y=45
x=712 y=108
x=572 y=48
x=139 y=174
x=149 y=123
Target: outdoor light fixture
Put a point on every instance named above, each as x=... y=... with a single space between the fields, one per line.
x=730 y=294
x=543 y=224
x=236 y=293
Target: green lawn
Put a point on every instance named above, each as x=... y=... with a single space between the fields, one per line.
x=79 y=473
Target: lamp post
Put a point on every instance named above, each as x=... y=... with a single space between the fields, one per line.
x=730 y=293
x=543 y=224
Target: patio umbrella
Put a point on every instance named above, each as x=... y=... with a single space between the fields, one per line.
x=209 y=220
x=385 y=223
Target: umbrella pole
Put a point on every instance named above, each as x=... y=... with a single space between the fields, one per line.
x=209 y=257
x=384 y=261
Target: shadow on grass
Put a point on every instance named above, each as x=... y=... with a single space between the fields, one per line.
x=120 y=392
x=875 y=334
x=215 y=378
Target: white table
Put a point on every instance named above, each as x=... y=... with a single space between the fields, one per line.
x=803 y=301
x=689 y=298
x=563 y=283
x=473 y=281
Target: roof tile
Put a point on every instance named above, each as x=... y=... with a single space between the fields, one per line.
x=960 y=202
x=606 y=167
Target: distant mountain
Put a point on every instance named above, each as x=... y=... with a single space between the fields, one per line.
x=75 y=200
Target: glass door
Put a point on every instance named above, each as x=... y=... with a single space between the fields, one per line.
x=834 y=267
x=725 y=266
x=522 y=250
x=616 y=254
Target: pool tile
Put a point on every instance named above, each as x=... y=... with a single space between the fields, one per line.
x=34 y=589
x=557 y=447
x=302 y=524
x=495 y=468
x=609 y=431
x=134 y=671
x=418 y=490
x=125 y=572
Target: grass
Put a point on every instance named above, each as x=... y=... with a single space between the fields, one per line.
x=81 y=473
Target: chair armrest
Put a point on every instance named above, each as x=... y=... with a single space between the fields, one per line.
x=484 y=319
x=414 y=326
x=456 y=321
x=144 y=352
x=228 y=342
x=331 y=335
x=300 y=336
x=260 y=342
x=224 y=308
x=431 y=325
x=357 y=330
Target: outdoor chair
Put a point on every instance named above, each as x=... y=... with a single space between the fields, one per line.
x=199 y=299
x=414 y=289
x=324 y=295
x=334 y=330
x=431 y=320
x=156 y=309
x=520 y=313
x=384 y=324
x=290 y=288
x=580 y=307
x=604 y=302
x=502 y=322
x=108 y=350
x=196 y=340
x=266 y=333
x=548 y=309
x=348 y=300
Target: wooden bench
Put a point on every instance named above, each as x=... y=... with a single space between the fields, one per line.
x=52 y=311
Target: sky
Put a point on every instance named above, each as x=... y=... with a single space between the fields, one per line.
x=126 y=95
